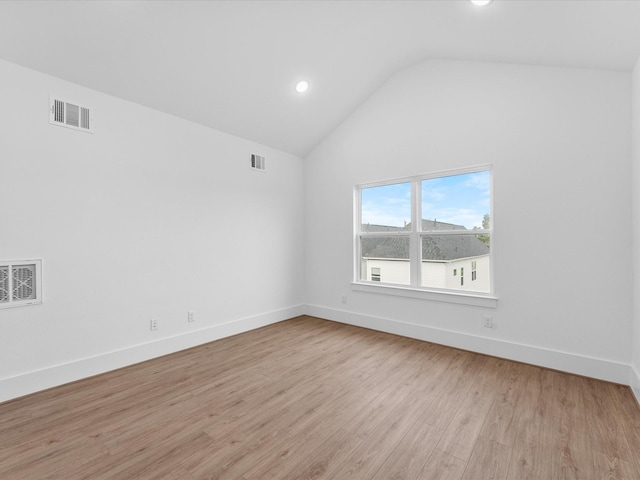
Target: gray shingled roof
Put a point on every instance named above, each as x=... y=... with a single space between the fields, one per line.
x=436 y=247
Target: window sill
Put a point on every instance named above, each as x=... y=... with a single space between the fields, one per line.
x=476 y=300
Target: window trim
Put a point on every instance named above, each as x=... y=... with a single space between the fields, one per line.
x=448 y=296
x=414 y=290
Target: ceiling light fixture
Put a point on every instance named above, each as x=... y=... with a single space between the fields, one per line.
x=481 y=3
x=302 y=86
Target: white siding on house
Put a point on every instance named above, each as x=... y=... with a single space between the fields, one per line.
x=391 y=271
x=434 y=274
x=482 y=283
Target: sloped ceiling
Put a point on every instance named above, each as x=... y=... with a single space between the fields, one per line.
x=232 y=65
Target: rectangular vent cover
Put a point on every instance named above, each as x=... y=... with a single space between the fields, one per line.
x=70 y=115
x=258 y=162
x=23 y=279
x=4 y=284
x=20 y=283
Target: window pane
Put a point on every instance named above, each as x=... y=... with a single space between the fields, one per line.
x=386 y=208
x=444 y=258
x=456 y=202
x=385 y=260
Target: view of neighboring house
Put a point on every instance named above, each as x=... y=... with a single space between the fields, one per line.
x=453 y=261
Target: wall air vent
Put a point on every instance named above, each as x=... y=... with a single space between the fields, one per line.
x=20 y=283
x=4 y=284
x=70 y=115
x=258 y=162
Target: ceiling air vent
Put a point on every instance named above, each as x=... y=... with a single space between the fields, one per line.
x=258 y=162
x=20 y=283
x=70 y=115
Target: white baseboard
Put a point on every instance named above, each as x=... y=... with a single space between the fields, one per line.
x=30 y=382
x=634 y=382
x=557 y=360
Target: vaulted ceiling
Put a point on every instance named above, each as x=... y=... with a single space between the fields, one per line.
x=232 y=65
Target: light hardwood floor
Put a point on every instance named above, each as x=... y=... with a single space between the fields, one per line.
x=308 y=398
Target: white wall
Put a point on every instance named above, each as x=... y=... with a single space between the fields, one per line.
x=149 y=217
x=559 y=141
x=635 y=371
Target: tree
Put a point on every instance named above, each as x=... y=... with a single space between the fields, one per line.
x=486 y=222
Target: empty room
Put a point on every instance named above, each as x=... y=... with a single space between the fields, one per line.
x=320 y=239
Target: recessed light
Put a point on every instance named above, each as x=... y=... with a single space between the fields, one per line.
x=302 y=86
x=481 y=3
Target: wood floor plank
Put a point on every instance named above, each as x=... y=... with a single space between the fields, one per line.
x=454 y=382
x=51 y=456
x=626 y=408
x=442 y=466
x=410 y=455
x=294 y=443
x=502 y=420
x=489 y=461
x=603 y=403
x=564 y=429
x=378 y=443
x=530 y=455
x=313 y=399
x=463 y=431
x=323 y=458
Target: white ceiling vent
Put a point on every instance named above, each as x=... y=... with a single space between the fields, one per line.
x=70 y=115
x=20 y=283
x=258 y=162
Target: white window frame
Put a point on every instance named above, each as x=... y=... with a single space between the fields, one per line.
x=415 y=290
x=37 y=283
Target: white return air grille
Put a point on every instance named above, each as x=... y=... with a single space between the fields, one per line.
x=20 y=283
x=70 y=115
x=258 y=162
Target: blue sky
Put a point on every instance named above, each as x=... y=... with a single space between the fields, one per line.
x=458 y=199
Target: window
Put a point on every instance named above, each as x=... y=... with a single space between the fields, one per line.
x=424 y=230
x=20 y=283
x=375 y=274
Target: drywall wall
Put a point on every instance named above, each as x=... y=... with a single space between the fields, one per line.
x=559 y=142
x=147 y=218
x=635 y=364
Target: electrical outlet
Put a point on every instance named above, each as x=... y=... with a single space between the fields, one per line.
x=191 y=316
x=154 y=324
x=343 y=299
x=488 y=321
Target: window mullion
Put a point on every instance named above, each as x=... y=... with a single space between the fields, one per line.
x=357 y=253
x=459 y=232
x=415 y=262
